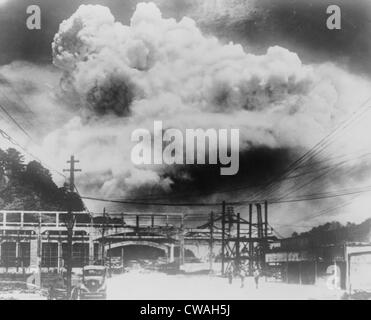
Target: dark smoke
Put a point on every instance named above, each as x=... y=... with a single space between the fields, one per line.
x=114 y=96
x=300 y=26
x=258 y=166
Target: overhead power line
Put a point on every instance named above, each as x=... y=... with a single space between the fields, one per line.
x=244 y=186
x=24 y=149
x=319 y=214
x=165 y=204
x=317 y=148
x=325 y=196
x=17 y=94
x=302 y=161
x=15 y=122
x=307 y=197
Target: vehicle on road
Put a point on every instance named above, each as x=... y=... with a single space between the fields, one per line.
x=93 y=284
x=58 y=286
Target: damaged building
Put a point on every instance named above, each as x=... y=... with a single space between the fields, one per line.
x=339 y=259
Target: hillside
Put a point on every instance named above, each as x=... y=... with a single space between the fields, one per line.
x=335 y=233
x=29 y=186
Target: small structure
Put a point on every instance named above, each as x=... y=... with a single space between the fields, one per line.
x=358 y=261
x=340 y=266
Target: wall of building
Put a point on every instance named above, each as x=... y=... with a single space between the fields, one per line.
x=29 y=239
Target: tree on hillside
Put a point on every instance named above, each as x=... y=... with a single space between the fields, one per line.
x=335 y=232
x=39 y=178
x=31 y=187
x=69 y=200
x=11 y=162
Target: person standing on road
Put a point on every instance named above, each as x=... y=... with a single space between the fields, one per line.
x=256 y=277
x=230 y=276
x=242 y=277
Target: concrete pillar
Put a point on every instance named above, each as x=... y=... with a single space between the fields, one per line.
x=57 y=220
x=91 y=249
x=39 y=243
x=122 y=258
x=35 y=263
x=4 y=219
x=100 y=251
x=33 y=254
x=181 y=250
x=59 y=254
x=171 y=253
x=17 y=245
x=22 y=219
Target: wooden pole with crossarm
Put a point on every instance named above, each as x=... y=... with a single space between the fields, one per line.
x=70 y=224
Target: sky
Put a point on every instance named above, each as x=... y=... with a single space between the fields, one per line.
x=295 y=24
x=339 y=59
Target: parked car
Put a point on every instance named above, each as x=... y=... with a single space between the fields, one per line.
x=93 y=284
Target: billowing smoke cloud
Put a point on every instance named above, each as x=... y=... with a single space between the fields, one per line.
x=31 y=94
x=110 y=78
x=159 y=69
x=117 y=78
x=155 y=56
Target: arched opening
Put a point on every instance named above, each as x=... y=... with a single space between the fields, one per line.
x=132 y=254
x=137 y=252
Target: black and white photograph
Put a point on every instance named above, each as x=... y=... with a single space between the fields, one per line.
x=185 y=150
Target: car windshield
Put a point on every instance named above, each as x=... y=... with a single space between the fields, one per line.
x=94 y=272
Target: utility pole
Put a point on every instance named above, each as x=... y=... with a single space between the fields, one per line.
x=72 y=171
x=109 y=257
x=181 y=244
x=122 y=248
x=39 y=253
x=122 y=259
x=103 y=234
x=260 y=230
x=238 y=252
x=223 y=237
x=251 y=244
x=70 y=224
x=211 y=254
x=266 y=219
